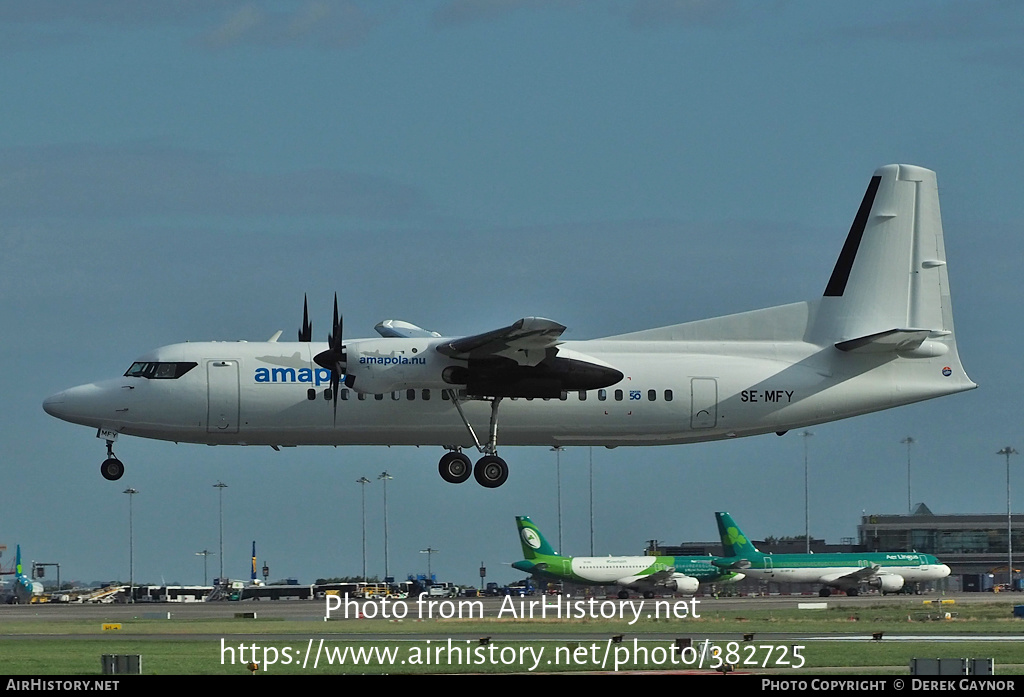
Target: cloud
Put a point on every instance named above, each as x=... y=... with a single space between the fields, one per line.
x=320 y=23
x=149 y=179
x=458 y=12
x=646 y=14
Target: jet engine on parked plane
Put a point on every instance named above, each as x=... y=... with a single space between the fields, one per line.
x=887 y=583
x=681 y=583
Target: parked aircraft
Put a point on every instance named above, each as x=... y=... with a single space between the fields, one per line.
x=24 y=588
x=644 y=574
x=880 y=337
x=886 y=571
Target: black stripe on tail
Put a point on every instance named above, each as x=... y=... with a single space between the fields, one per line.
x=841 y=273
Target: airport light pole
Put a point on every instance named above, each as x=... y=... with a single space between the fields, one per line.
x=429 y=551
x=807 y=507
x=384 y=476
x=131 y=546
x=908 y=441
x=591 y=472
x=221 y=486
x=363 y=481
x=557 y=450
x=1007 y=451
x=204 y=554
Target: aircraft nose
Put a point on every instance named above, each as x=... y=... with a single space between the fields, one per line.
x=88 y=405
x=54 y=405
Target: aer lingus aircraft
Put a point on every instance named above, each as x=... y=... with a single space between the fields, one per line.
x=886 y=571
x=647 y=575
x=880 y=337
x=24 y=588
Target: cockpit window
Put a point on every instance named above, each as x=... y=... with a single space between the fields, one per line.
x=159 y=371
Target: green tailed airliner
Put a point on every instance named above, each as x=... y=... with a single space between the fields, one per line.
x=647 y=575
x=886 y=571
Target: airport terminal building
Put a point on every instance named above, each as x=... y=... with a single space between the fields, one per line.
x=974 y=546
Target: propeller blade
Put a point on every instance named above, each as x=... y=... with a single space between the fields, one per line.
x=306 y=333
x=334 y=358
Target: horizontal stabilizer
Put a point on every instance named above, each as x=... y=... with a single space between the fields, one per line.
x=892 y=341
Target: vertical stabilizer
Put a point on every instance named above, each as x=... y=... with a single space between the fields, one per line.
x=533 y=542
x=891 y=273
x=734 y=542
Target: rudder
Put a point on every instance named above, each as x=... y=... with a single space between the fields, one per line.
x=734 y=542
x=533 y=542
x=891 y=273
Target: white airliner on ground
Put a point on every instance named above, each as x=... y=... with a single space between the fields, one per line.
x=880 y=337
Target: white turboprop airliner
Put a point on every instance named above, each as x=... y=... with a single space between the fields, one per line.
x=880 y=337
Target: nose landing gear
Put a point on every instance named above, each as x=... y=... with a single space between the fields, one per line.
x=112 y=469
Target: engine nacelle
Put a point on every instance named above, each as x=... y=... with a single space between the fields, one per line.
x=378 y=366
x=681 y=583
x=887 y=583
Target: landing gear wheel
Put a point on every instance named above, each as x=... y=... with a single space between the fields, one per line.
x=853 y=592
x=648 y=594
x=490 y=471
x=455 y=468
x=824 y=593
x=112 y=469
x=623 y=595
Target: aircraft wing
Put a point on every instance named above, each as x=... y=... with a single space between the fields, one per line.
x=726 y=564
x=657 y=578
x=526 y=342
x=861 y=575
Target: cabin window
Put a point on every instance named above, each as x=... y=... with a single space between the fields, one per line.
x=583 y=395
x=602 y=395
x=343 y=394
x=379 y=397
x=668 y=395
x=311 y=394
x=564 y=396
x=652 y=395
x=426 y=395
x=410 y=394
x=362 y=396
x=618 y=395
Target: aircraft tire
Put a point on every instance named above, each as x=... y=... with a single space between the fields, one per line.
x=490 y=471
x=455 y=468
x=623 y=595
x=112 y=469
x=648 y=594
x=824 y=593
x=852 y=592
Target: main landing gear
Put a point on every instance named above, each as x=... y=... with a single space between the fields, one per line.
x=111 y=468
x=490 y=470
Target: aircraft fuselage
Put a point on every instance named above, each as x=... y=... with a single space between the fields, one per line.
x=271 y=393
